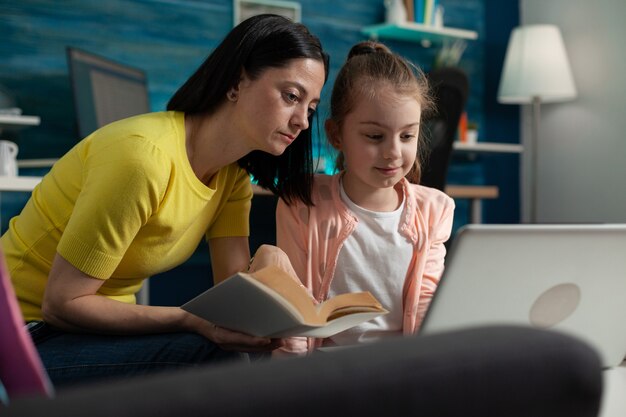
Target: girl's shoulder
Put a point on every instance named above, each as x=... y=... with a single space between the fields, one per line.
x=324 y=195
x=325 y=188
x=428 y=196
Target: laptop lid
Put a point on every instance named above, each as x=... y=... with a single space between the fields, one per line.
x=570 y=278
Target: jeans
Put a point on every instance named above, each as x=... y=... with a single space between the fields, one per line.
x=78 y=357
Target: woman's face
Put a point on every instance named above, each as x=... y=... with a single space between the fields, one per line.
x=274 y=108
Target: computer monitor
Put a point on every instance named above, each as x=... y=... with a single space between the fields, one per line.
x=104 y=90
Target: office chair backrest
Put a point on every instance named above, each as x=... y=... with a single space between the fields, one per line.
x=450 y=87
x=21 y=370
x=104 y=90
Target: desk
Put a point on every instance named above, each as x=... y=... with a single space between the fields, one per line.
x=474 y=193
x=477 y=194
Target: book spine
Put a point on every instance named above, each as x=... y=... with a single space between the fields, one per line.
x=410 y=13
x=428 y=12
x=418 y=6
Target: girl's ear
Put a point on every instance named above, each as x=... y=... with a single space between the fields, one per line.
x=332 y=133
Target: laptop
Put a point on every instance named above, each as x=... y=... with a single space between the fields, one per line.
x=568 y=278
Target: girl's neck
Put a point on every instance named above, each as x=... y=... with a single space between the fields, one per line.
x=374 y=199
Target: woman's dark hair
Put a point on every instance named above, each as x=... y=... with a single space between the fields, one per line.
x=370 y=66
x=258 y=43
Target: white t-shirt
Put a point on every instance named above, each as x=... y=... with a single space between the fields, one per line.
x=374 y=258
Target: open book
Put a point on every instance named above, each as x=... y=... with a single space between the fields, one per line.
x=270 y=303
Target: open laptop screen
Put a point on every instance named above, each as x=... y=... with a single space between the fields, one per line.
x=569 y=278
x=104 y=90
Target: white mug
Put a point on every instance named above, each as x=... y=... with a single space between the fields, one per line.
x=8 y=158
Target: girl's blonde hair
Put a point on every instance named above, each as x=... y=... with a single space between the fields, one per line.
x=369 y=65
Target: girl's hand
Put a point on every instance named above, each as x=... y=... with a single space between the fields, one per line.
x=229 y=339
x=268 y=255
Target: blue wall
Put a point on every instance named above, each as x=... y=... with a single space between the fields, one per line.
x=168 y=39
x=503 y=120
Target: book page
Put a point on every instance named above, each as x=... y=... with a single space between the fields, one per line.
x=271 y=303
x=344 y=304
x=243 y=304
x=291 y=290
x=340 y=324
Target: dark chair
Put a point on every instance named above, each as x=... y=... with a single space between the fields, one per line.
x=481 y=372
x=450 y=88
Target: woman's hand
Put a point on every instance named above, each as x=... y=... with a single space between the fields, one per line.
x=228 y=339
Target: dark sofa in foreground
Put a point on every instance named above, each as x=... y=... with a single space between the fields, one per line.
x=496 y=371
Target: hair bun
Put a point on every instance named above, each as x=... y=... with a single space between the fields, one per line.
x=367 y=47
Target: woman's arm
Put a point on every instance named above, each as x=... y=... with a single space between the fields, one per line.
x=229 y=255
x=71 y=303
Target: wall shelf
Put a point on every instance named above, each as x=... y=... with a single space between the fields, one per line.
x=18 y=183
x=7 y=120
x=416 y=32
x=15 y=122
x=488 y=147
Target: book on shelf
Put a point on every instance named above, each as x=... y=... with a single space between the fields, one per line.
x=270 y=303
x=419 y=10
x=429 y=9
x=408 y=6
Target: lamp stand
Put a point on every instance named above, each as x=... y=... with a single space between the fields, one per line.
x=536 y=117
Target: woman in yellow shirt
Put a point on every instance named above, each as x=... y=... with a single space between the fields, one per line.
x=135 y=198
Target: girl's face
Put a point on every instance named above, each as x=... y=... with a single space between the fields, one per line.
x=379 y=139
x=274 y=108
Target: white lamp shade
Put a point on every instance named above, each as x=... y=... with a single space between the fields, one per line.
x=536 y=65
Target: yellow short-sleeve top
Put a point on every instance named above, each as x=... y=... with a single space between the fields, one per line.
x=122 y=205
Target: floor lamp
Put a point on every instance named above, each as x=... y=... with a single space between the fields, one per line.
x=536 y=70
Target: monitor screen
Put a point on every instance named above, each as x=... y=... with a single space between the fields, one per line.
x=104 y=90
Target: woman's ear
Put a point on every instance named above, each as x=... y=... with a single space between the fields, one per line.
x=332 y=133
x=233 y=92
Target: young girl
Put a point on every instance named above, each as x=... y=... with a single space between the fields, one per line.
x=372 y=227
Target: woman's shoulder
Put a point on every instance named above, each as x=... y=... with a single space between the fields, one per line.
x=149 y=127
x=128 y=145
x=141 y=135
